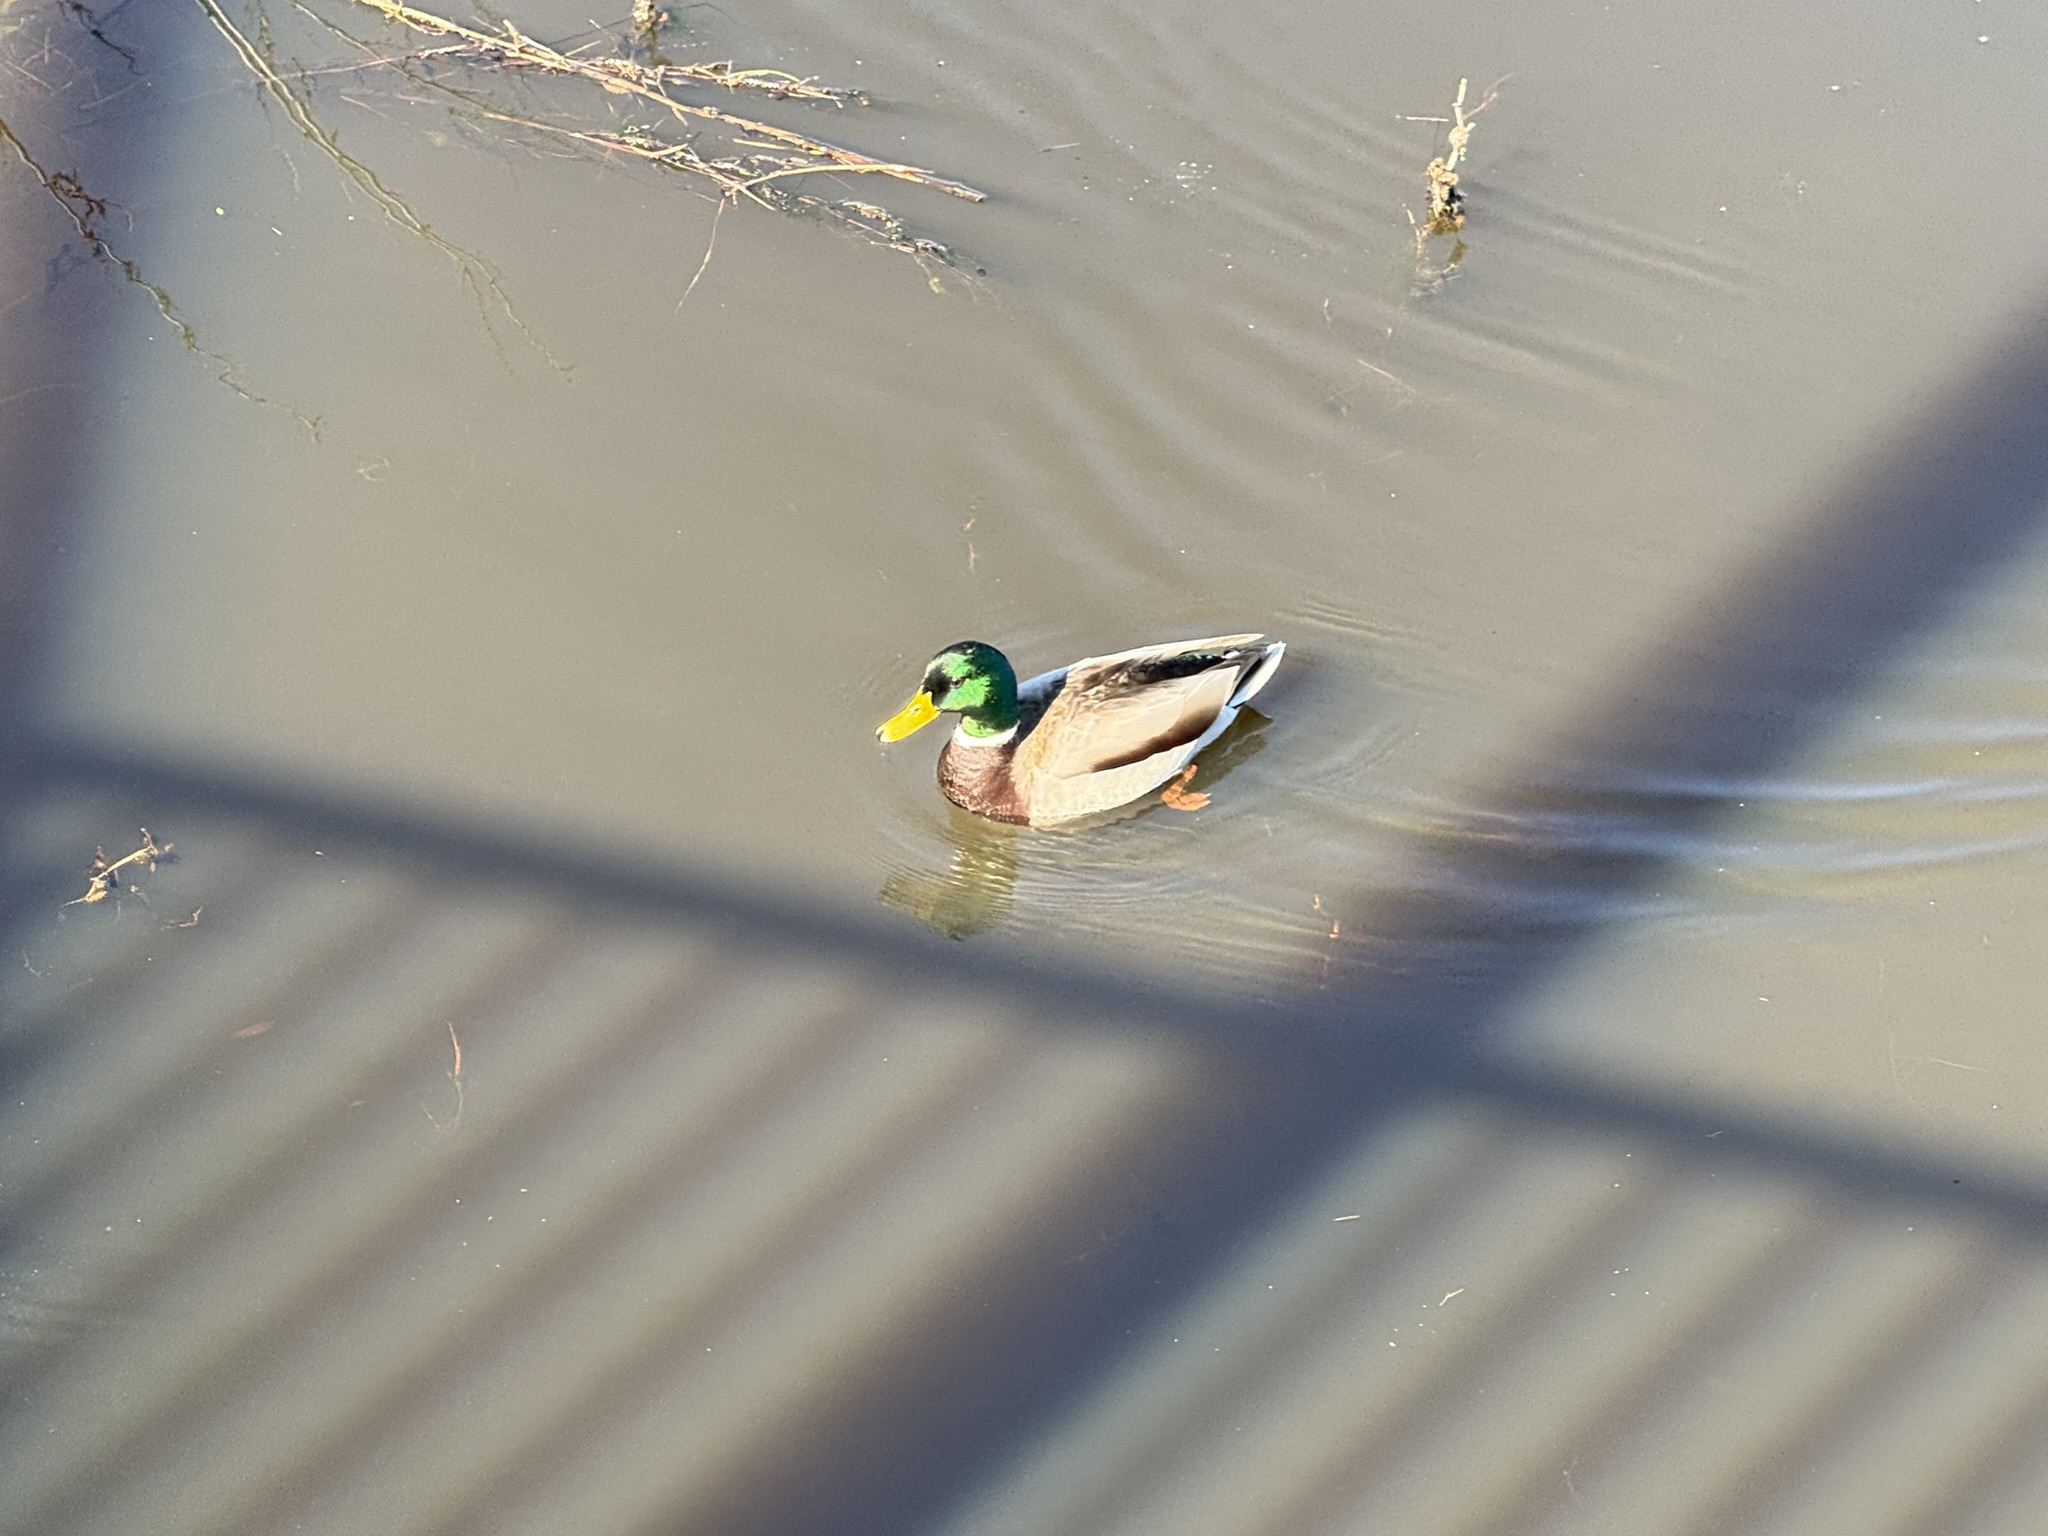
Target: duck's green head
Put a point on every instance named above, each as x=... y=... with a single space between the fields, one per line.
x=970 y=679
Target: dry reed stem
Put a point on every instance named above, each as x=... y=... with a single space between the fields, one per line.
x=622 y=76
x=455 y=1077
x=738 y=179
x=710 y=245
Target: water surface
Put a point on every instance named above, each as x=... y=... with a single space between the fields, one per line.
x=1626 y=724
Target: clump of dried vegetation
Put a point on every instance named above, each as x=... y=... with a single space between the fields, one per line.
x=757 y=161
x=752 y=159
x=1446 y=215
x=103 y=875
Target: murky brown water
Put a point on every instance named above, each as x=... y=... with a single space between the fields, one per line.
x=643 y=570
x=631 y=561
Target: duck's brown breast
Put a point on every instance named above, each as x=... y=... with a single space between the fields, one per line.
x=978 y=778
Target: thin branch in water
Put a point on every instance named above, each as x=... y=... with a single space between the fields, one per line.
x=477 y=274
x=85 y=211
x=91 y=23
x=735 y=178
x=880 y=167
x=455 y=1077
x=709 y=246
x=621 y=76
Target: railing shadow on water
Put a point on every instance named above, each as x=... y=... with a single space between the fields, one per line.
x=1761 y=675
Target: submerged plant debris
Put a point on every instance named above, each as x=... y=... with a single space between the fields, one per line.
x=88 y=214
x=91 y=23
x=103 y=876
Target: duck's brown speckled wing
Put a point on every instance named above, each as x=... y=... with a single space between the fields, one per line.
x=1097 y=725
x=1125 y=724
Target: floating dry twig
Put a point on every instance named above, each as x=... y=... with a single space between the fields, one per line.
x=710 y=245
x=778 y=153
x=103 y=879
x=614 y=72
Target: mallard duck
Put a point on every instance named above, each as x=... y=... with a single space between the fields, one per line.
x=1087 y=737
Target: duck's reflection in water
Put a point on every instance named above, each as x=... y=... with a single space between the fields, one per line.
x=975 y=891
x=973 y=894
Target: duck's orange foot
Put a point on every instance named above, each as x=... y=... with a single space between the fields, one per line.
x=1179 y=798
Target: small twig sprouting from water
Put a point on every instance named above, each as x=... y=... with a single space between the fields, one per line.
x=1446 y=202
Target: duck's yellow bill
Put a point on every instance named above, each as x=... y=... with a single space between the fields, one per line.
x=915 y=715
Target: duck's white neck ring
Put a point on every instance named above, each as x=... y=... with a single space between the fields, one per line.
x=1000 y=739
